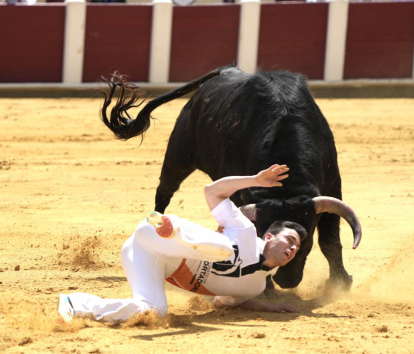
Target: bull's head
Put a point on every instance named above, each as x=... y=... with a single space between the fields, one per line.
x=302 y=210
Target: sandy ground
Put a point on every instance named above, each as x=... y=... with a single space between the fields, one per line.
x=71 y=194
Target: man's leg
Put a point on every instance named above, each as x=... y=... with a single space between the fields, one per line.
x=145 y=273
x=106 y=310
x=190 y=241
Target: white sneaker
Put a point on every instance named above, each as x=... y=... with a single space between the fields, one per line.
x=65 y=309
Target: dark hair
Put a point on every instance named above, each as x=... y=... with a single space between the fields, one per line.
x=278 y=226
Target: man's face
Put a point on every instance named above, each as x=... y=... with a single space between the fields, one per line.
x=281 y=248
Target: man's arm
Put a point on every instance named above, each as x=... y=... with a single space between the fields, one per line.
x=254 y=305
x=223 y=188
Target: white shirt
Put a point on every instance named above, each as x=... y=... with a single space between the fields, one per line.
x=235 y=279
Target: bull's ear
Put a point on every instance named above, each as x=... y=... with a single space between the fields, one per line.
x=249 y=211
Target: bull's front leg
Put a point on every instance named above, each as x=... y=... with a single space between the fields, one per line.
x=331 y=248
x=270 y=291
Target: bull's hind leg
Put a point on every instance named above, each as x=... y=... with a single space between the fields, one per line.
x=172 y=175
x=331 y=247
x=179 y=162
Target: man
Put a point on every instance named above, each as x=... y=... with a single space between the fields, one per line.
x=232 y=266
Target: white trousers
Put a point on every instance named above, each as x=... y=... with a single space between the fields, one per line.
x=148 y=260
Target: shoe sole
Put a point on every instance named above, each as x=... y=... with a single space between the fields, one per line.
x=60 y=317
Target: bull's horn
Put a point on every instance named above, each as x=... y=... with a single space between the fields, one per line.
x=336 y=206
x=249 y=211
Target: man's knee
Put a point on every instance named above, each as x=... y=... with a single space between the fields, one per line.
x=127 y=246
x=146 y=235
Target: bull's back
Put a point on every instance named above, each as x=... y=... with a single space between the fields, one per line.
x=244 y=123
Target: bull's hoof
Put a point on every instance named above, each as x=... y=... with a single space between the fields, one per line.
x=336 y=288
x=270 y=294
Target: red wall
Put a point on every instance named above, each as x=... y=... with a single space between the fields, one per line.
x=117 y=37
x=380 y=40
x=31 y=43
x=293 y=37
x=203 y=38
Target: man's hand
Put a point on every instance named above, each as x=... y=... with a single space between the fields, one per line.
x=285 y=307
x=255 y=305
x=271 y=176
x=223 y=188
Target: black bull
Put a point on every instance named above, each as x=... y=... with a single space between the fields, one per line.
x=240 y=124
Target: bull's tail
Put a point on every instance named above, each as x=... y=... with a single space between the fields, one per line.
x=121 y=123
